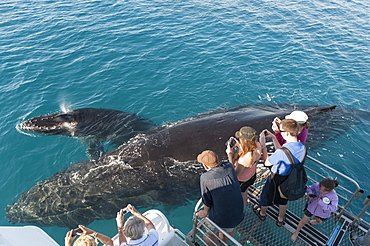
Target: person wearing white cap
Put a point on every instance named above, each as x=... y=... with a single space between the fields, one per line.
x=299 y=116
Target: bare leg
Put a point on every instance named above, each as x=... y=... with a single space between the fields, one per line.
x=316 y=221
x=212 y=239
x=303 y=221
x=263 y=210
x=282 y=211
x=245 y=197
x=224 y=238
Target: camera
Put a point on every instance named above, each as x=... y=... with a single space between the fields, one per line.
x=231 y=141
x=124 y=211
x=75 y=231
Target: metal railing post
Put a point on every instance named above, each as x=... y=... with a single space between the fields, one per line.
x=366 y=202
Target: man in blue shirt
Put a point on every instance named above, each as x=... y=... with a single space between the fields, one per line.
x=280 y=168
x=221 y=196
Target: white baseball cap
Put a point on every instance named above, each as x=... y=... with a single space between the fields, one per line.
x=299 y=116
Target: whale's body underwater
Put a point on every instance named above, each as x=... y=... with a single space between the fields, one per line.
x=156 y=167
x=92 y=125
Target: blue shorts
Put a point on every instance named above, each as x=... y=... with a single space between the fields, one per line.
x=270 y=194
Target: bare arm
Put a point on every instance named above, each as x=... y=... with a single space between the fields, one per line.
x=101 y=237
x=120 y=219
x=148 y=224
x=276 y=142
x=231 y=156
x=229 y=153
x=263 y=146
x=68 y=238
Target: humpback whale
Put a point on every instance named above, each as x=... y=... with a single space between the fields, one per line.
x=157 y=167
x=92 y=125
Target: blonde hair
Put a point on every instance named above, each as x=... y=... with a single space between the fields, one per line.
x=134 y=228
x=85 y=241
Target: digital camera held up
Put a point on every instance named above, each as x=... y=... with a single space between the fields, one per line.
x=231 y=142
x=75 y=231
x=124 y=211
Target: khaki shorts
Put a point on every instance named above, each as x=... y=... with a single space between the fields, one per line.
x=210 y=228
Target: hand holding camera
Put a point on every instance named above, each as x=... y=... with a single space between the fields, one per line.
x=231 y=142
x=310 y=195
x=75 y=231
x=276 y=124
x=232 y=146
x=124 y=211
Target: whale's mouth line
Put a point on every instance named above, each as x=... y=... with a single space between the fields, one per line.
x=19 y=129
x=53 y=124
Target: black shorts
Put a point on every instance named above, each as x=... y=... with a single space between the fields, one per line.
x=309 y=214
x=245 y=184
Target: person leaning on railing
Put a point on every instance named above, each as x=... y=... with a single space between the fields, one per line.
x=86 y=238
x=132 y=232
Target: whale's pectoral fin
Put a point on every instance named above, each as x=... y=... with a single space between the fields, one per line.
x=95 y=149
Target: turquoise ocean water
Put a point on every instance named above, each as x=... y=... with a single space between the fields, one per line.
x=169 y=60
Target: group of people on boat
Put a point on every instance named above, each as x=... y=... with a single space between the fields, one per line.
x=224 y=185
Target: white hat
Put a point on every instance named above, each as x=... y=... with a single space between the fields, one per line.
x=299 y=116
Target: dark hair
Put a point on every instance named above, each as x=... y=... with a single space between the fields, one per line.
x=290 y=126
x=306 y=124
x=329 y=184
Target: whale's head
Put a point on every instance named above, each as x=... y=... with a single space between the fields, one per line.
x=52 y=124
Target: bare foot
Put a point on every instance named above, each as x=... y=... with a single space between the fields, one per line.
x=294 y=237
x=314 y=222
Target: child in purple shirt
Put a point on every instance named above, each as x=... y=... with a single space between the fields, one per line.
x=323 y=201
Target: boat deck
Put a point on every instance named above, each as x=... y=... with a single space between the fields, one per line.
x=253 y=231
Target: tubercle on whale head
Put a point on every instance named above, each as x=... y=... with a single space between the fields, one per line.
x=94 y=123
x=50 y=124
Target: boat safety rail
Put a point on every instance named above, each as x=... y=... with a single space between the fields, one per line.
x=345 y=195
x=203 y=227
